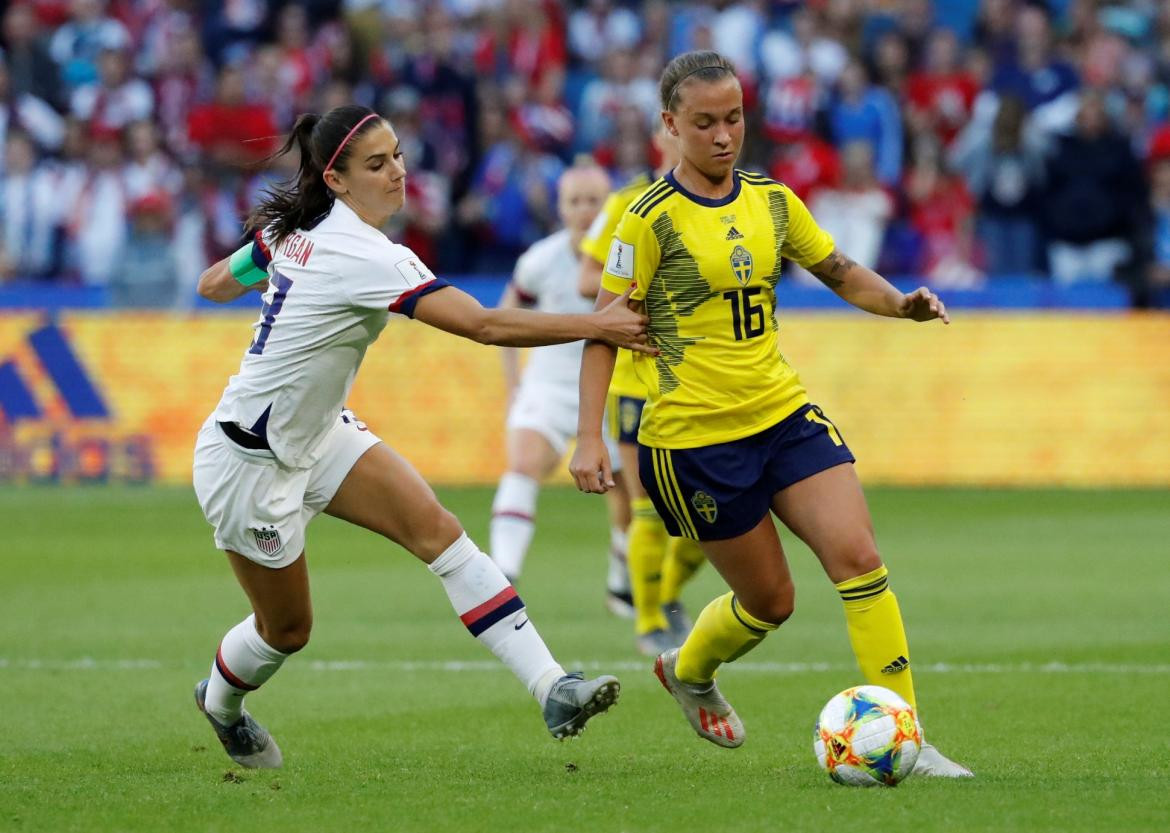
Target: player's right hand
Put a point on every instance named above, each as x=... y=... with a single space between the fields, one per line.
x=623 y=327
x=590 y=466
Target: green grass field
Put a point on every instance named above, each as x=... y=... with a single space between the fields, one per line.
x=1038 y=623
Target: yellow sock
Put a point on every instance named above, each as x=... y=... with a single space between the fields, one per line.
x=723 y=632
x=644 y=552
x=683 y=557
x=876 y=632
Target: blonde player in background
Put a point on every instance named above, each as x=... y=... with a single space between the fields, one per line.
x=279 y=448
x=659 y=564
x=542 y=412
x=729 y=435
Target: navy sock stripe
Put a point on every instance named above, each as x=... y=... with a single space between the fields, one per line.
x=490 y=618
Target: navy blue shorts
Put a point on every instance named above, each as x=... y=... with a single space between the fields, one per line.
x=625 y=417
x=721 y=491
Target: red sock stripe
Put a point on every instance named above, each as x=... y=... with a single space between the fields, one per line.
x=520 y=516
x=232 y=679
x=499 y=600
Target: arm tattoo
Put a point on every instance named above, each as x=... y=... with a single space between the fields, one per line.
x=831 y=271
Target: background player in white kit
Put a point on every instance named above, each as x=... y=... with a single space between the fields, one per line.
x=279 y=449
x=542 y=413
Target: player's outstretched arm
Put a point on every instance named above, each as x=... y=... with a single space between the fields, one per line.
x=220 y=282
x=867 y=290
x=456 y=312
x=591 y=466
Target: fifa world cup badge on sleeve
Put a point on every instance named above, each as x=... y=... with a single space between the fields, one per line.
x=621 y=259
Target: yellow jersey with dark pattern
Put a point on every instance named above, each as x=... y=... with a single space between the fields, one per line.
x=595 y=244
x=707 y=271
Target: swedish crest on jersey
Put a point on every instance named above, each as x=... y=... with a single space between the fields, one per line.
x=705 y=505
x=741 y=264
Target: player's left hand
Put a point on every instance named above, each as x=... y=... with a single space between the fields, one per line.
x=923 y=305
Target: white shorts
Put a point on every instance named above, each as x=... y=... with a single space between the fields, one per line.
x=551 y=411
x=260 y=508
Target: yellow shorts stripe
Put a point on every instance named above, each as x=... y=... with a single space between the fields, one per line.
x=688 y=526
x=664 y=488
x=613 y=415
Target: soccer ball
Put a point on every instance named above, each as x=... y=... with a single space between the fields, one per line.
x=866 y=736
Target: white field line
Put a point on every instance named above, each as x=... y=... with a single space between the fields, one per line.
x=1054 y=667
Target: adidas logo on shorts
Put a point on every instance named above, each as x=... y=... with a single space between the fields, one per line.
x=900 y=664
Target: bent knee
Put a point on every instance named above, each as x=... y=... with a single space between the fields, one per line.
x=287 y=637
x=429 y=534
x=857 y=561
x=774 y=607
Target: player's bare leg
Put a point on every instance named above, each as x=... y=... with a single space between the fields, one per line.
x=829 y=513
x=385 y=494
x=531 y=458
x=252 y=651
x=619 y=599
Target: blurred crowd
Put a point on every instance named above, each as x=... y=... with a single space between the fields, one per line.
x=960 y=141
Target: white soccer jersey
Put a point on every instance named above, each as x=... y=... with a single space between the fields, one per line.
x=331 y=291
x=546 y=275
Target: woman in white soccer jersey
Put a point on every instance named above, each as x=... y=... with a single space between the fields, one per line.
x=542 y=412
x=279 y=449
x=728 y=436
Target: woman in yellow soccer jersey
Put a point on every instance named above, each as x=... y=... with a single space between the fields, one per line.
x=728 y=433
x=659 y=565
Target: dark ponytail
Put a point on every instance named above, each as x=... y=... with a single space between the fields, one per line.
x=296 y=204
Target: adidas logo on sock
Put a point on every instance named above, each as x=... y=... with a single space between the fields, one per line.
x=900 y=664
x=733 y=234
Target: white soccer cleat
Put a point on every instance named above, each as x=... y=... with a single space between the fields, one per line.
x=711 y=716
x=931 y=762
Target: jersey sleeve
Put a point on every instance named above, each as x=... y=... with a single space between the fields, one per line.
x=396 y=283
x=527 y=278
x=633 y=255
x=595 y=243
x=806 y=243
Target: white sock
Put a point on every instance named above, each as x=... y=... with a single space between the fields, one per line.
x=513 y=521
x=618 y=579
x=490 y=609
x=243 y=663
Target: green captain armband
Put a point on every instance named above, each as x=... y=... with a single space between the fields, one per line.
x=244 y=267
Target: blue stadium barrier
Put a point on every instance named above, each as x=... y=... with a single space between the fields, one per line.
x=1001 y=294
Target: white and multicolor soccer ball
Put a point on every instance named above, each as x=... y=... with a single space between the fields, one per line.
x=867 y=736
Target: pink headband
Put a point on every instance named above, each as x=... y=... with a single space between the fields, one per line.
x=348 y=136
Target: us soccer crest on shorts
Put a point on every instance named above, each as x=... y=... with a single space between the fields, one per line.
x=267 y=540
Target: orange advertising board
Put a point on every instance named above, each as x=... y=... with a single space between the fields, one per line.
x=993 y=399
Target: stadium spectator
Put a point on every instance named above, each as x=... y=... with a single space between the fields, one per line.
x=96 y=217
x=31 y=69
x=29 y=212
x=941 y=212
x=231 y=130
x=1046 y=83
x=76 y=45
x=1003 y=164
x=598 y=26
x=941 y=94
x=1156 y=283
x=24 y=111
x=809 y=46
x=855 y=213
x=617 y=88
x=1094 y=198
x=148 y=168
x=865 y=112
x=116 y=98
x=185 y=79
x=147 y=272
